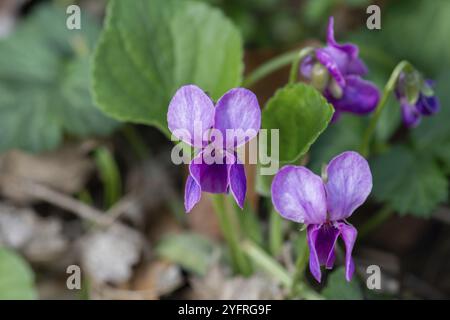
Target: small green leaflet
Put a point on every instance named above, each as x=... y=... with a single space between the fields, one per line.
x=16 y=277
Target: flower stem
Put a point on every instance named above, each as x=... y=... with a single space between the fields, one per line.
x=239 y=260
x=274 y=269
x=276 y=63
x=302 y=260
x=268 y=67
x=302 y=54
x=388 y=89
x=267 y=263
x=248 y=221
x=376 y=220
x=275 y=232
x=109 y=175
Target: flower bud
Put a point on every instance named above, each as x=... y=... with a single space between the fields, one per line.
x=319 y=77
x=427 y=90
x=411 y=84
x=335 y=89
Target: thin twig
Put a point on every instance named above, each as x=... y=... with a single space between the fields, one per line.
x=125 y=204
x=61 y=200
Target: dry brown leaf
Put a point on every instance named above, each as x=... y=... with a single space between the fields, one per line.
x=159 y=277
x=217 y=284
x=66 y=170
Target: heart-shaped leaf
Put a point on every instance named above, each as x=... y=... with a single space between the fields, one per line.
x=301 y=114
x=149 y=48
x=408 y=181
x=44 y=83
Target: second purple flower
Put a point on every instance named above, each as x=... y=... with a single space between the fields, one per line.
x=416 y=97
x=336 y=70
x=323 y=205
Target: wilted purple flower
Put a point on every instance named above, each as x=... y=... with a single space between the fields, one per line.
x=301 y=196
x=337 y=71
x=416 y=98
x=216 y=132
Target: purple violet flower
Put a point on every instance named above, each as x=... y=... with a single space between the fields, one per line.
x=336 y=70
x=423 y=102
x=216 y=132
x=301 y=196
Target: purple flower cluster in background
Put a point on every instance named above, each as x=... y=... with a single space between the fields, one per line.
x=422 y=103
x=323 y=205
x=192 y=118
x=336 y=70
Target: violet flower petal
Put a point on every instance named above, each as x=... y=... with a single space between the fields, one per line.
x=238 y=110
x=348 y=48
x=325 y=242
x=348 y=234
x=428 y=105
x=190 y=115
x=321 y=241
x=212 y=177
x=348 y=186
x=192 y=194
x=299 y=195
x=360 y=96
x=238 y=183
x=410 y=114
x=312 y=232
x=356 y=67
x=346 y=64
x=306 y=67
x=328 y=61
x=345 y=55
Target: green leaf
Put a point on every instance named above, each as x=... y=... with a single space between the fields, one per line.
x=408 y=181
x=339 y=289
x=301 y=114
x=149 y=48
x=44 y=83
x=16 y=277
x=191 y=251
